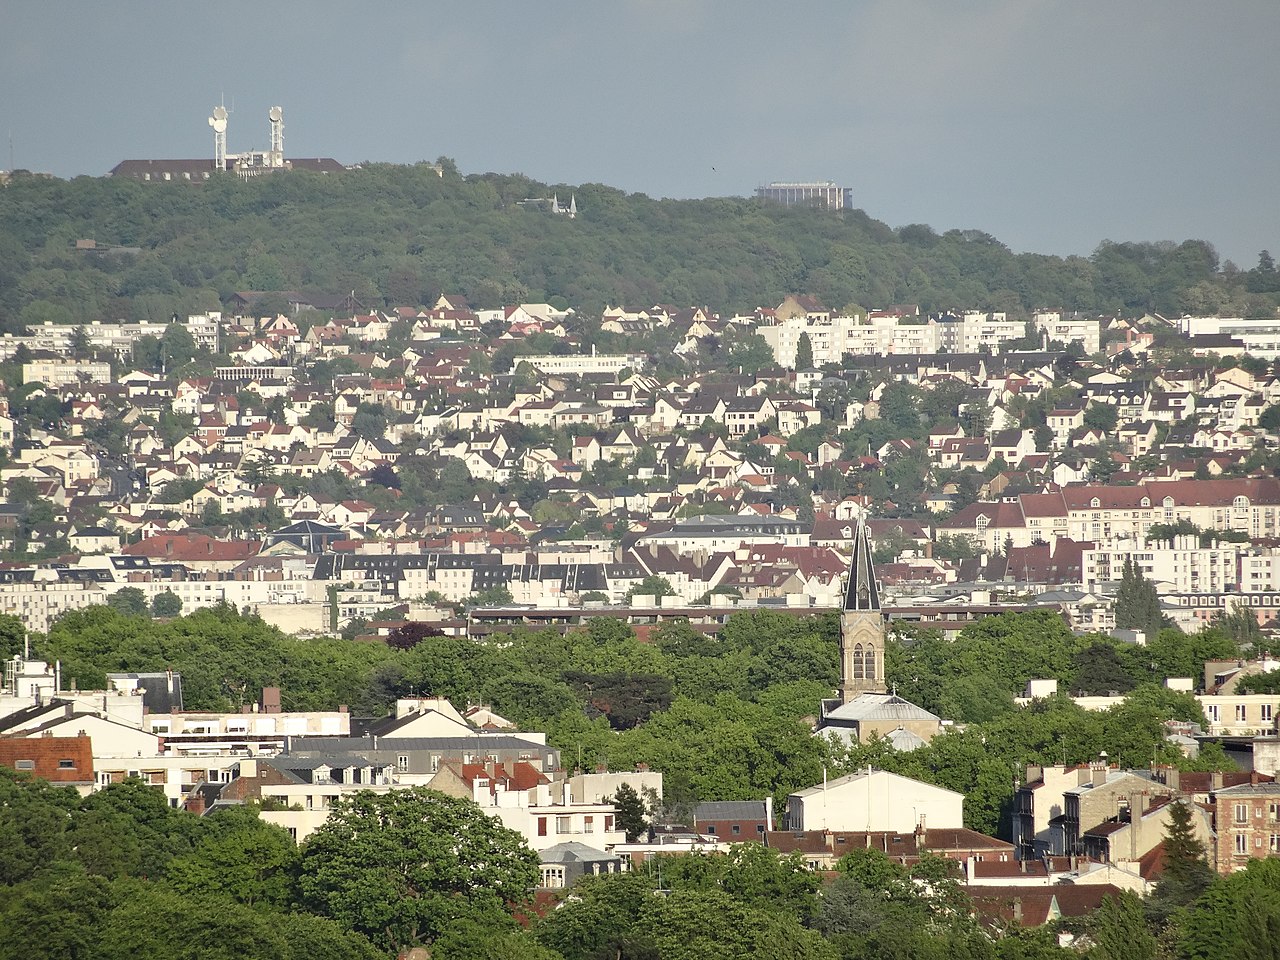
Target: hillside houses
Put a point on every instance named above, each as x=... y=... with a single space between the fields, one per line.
x=1052 y=467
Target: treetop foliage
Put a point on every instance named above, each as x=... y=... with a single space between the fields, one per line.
x=403 y=235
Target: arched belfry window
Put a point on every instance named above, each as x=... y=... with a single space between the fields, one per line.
x=858 y=673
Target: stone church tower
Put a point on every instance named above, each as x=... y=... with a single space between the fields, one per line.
x=861 y=624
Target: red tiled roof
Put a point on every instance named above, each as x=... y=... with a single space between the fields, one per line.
x=191 y=547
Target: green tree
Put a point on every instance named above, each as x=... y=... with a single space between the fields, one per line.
x=652 y=585
x=1186 y=870
x=751 y=354
x=1119 y=930
x=370 y=421
x=1137 y=603
x=399 y=867
x=1240 y=624
x=1101 y=416
x=632 y=815
x=13 y=634
x=253 y=862
x=496 y=596
x=804 y=353
x=130 y=601
x=177 y=346
x=1099 y=670
x=166 y=604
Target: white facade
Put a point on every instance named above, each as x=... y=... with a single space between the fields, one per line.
x=1088 y=333
x=587 y=363
x=63 y=373
x=1183 y=567
x=874 y=800
x=1261 y=336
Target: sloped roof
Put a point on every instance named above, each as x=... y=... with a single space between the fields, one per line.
x=879 y=706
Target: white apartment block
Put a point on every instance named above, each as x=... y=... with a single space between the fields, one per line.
x=1261 y=335
x=832 y=338
x=1183 y=566
x=586 y=363
x=119 y=337
x=65 y=373
x=1240 y=714
x=1259 y=569
x=976 y=330
x=1088 y=333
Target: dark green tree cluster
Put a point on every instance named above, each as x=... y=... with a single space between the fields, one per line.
x=753 y=902
x=119 y=874
x=1137 y=603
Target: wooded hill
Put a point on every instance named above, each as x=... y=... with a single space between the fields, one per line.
x=402 y=235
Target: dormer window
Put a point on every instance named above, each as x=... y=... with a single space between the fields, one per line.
x=1095 y=503
x=1241 y=503
x=1146 y=501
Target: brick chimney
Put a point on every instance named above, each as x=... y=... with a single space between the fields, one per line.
x=270 y=700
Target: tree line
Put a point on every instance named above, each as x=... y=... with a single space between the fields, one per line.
x=403 y=235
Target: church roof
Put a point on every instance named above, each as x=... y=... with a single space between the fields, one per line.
x=867 y=707
x=861 y=592
x=572 y=851
x=904 y=741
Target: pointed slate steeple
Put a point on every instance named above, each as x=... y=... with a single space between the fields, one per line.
x=861 y=592
x=861 y=624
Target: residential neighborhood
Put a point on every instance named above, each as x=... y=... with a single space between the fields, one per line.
x=478 y=473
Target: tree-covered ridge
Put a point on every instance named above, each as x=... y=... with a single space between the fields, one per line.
x=403 y=235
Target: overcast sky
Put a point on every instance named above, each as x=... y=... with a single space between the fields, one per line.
x=1052 y=124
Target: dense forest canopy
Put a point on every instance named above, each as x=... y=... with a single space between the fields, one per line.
x=404 y=234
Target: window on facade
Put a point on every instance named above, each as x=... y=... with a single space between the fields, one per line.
x=542 y=826
x=1275 y=843
x=564 y=824
x=24 y=765
x=1242 y=813
x=736 y=828
x=402 y=762
x=711 y=829
x=1241 y=713
x=1266 y=712
x=66 y=764
x=1242 y=843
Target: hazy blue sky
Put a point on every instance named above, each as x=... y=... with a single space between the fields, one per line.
x=1052 y=125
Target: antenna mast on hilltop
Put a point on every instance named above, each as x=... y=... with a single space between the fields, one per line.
x=219 y=123
x=276 y=116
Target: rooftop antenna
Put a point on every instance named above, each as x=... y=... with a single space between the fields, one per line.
x=219 y=123
x=276 y=116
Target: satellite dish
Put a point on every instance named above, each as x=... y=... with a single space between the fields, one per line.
x=275 y=114
x=219 y=124
x=219 y=113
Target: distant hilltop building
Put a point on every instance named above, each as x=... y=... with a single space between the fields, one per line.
x=553 y=204
x=251 y=163
x=823 y=193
